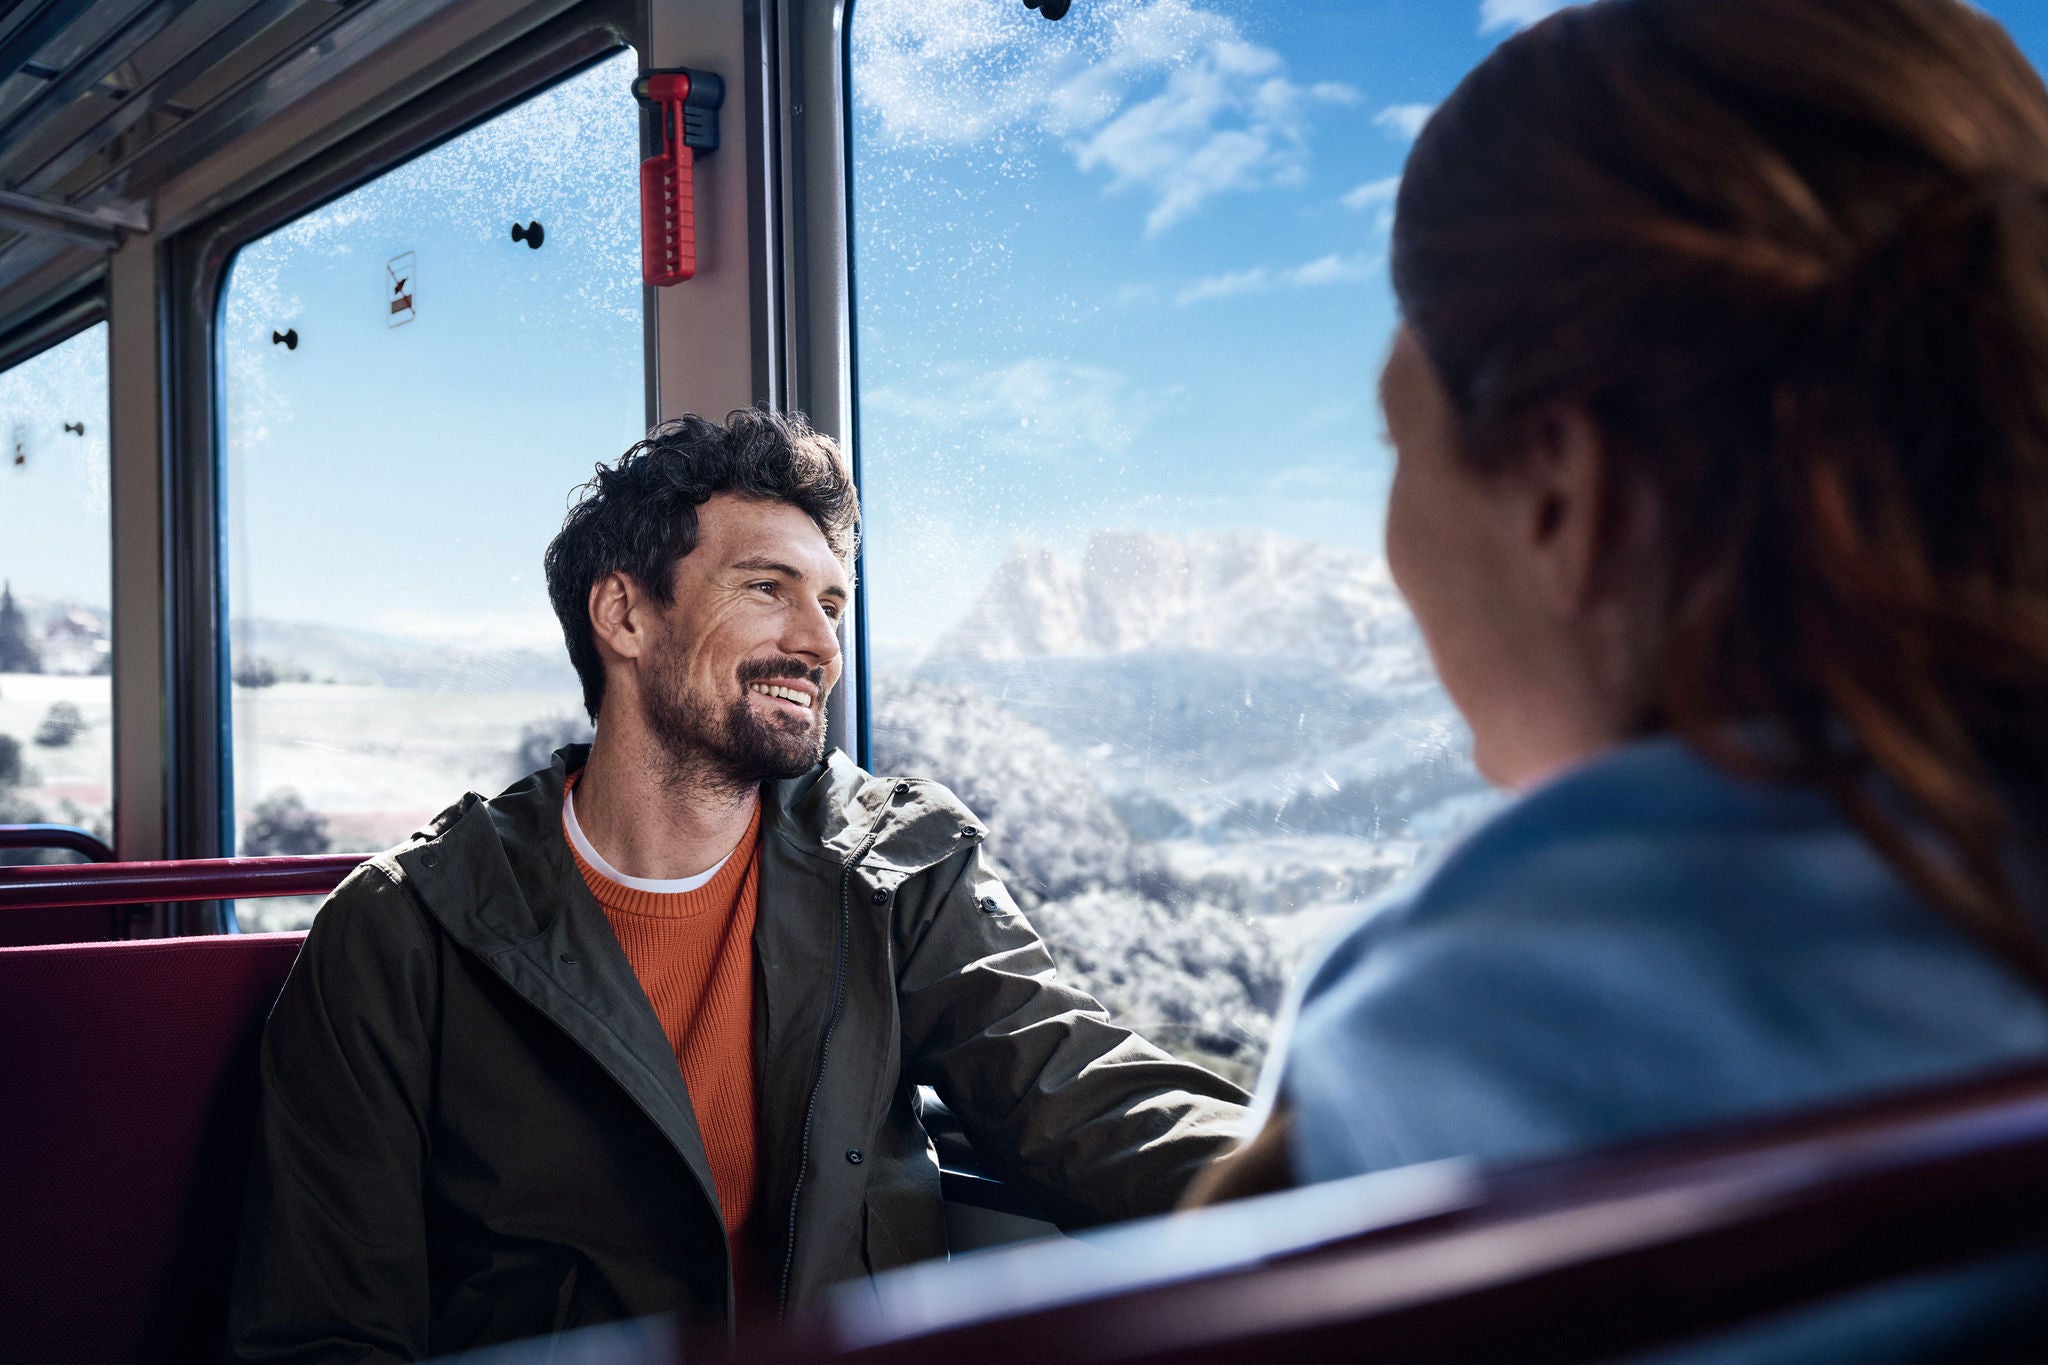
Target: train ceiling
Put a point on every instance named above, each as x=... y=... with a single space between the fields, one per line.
x=102 y=102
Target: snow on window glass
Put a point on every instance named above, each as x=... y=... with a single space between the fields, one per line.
x=416 y=376
x=56 y=727
x=1122 y=297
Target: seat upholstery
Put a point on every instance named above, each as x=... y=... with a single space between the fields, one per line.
x=127 y=1101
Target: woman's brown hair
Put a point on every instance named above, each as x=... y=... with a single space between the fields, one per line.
x=1793 y=255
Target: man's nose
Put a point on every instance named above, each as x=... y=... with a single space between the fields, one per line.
x=814 y=635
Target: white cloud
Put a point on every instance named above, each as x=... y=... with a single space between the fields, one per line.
x=1336 y=269
x=1163 y=97
x=1404 y=121
x=1498 y=14
x=1372 y=192
x=1032 y=408
x=1317 y=274
x=1252 y=281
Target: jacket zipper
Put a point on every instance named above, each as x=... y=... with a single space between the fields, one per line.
x=803 y=1161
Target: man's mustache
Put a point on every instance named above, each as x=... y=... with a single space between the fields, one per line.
x=768 y=670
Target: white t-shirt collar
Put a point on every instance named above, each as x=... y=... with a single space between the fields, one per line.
x=659 y=886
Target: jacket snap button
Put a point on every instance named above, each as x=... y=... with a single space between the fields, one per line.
x=880 y=897
x=989 y=906
x=855 y=1157
x=430 y=859
x=903 y=789
x=969 y=832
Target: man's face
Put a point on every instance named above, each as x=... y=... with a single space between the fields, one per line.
x=749 y=647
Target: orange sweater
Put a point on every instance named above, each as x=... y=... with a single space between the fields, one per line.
x=693 y=952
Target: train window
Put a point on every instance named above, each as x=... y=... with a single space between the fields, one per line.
x=56 y=727
x=1120 y=297
x=415 y=375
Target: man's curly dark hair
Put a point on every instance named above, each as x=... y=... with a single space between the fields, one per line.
x=639 y=515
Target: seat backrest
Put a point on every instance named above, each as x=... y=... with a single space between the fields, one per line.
x=1584 y=1257
x=127 y=1101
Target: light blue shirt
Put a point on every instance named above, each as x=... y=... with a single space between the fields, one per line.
x=1644 y=944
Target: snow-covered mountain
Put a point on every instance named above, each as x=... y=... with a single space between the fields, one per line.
x=1236 y=593
x=1216 y=687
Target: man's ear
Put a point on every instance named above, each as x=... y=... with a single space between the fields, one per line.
x=1560 y=506
x=618 y=615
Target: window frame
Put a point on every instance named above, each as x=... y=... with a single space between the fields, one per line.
x=197 y=705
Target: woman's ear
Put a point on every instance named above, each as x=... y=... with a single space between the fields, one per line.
x=1558 y=507
x=617 y=616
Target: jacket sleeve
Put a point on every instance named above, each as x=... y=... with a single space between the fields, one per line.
x=1095 y=1123
x=332 y=1264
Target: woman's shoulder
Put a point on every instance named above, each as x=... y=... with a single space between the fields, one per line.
x=1593 y=843
x=1646 y=942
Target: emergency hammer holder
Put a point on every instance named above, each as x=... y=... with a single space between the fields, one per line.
x=688 y=103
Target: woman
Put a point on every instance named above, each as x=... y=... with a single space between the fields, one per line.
x=1721 y=412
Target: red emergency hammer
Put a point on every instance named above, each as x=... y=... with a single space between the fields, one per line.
x=688 y=103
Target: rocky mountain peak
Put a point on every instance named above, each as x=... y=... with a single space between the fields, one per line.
x=1243 y=593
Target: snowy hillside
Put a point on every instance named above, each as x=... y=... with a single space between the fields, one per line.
x=1196 y=756
x=337 y=654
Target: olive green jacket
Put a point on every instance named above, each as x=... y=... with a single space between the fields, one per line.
x=473 y=1128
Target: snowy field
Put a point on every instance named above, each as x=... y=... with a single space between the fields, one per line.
x=378 y=761
x=71 y=784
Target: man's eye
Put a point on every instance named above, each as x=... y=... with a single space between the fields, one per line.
x=765 y=585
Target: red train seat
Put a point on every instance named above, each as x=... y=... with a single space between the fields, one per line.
x=127 y=1101
x=1585 y=1257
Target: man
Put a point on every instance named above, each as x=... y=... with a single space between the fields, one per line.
x=642 y=1034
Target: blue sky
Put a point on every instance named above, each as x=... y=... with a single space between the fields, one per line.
x=406 y=479
x=1123 y=271
x=1126 y=270
x=54 y=509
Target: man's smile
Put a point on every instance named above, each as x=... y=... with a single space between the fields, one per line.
x=793 y=694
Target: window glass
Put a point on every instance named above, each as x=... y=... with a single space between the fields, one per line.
x=56 y=722
x=1121 y=299
x=416 y=375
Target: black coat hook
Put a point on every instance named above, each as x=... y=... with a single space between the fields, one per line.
x=75 y=428
x=533 y=234
x=289 y=338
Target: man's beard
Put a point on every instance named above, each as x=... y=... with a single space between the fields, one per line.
x=732 y=748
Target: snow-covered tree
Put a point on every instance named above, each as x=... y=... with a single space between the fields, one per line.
x=280 y=823
x=18 y=653
x=1051 y=829
x=1194 y=974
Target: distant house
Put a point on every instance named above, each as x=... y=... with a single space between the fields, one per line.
x=76 y=642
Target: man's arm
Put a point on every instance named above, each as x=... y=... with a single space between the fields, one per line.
x=1092 y=1121
x=332 y=1264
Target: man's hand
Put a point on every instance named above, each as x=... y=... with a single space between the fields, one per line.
x=1260 y=1166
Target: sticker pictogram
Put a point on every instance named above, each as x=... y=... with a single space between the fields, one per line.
x=402 y=273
